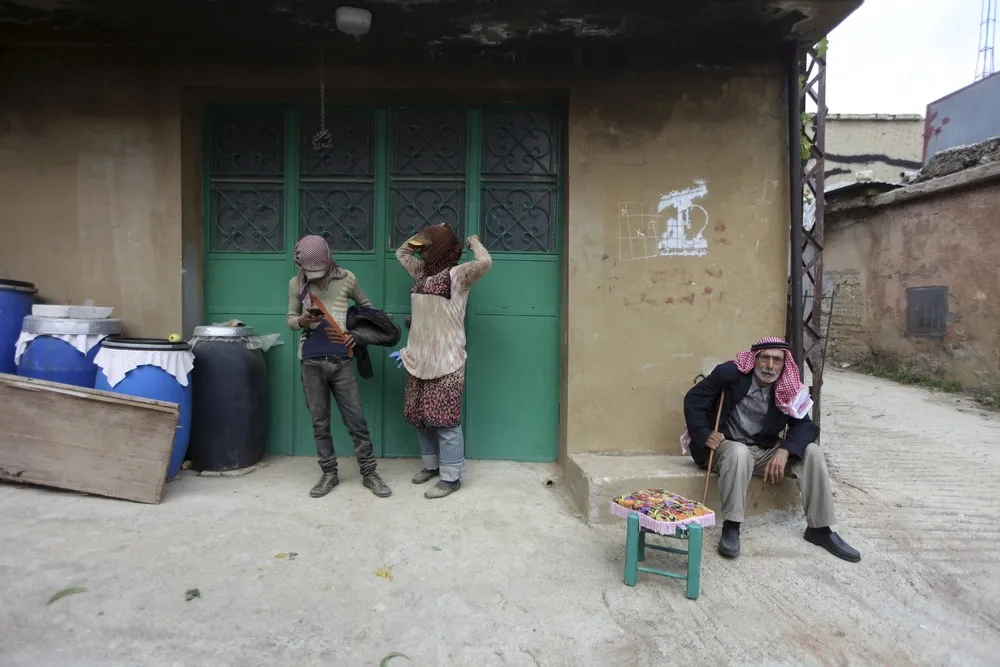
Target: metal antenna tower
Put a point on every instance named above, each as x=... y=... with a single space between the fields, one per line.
x=987 y=38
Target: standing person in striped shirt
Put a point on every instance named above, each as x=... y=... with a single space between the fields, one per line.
x=317 y=306
x=434 y=356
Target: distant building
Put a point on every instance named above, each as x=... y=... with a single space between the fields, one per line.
x=965 y=117
x=875 y=147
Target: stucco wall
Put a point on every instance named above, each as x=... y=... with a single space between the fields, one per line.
x=948 y=238
x=102 y=196
x=641 y=329
x=886 y=145
x=90 y=186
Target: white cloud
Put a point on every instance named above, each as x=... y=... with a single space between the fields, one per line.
x=896 y=56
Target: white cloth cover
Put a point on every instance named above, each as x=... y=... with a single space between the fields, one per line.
x=83 y=343
x=116 y=364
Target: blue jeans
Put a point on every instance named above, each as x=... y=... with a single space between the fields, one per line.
x=443 y=449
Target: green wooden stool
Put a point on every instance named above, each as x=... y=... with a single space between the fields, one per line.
x=659 y=512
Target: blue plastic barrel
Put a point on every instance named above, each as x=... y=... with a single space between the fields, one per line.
x=51 y=358
x=154 y=383
x=16 y=299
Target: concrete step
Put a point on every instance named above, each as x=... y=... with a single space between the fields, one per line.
x=595 y=479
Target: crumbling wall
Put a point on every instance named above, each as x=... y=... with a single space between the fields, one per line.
x=848 y=343
x=948 y=236
x=960 y=158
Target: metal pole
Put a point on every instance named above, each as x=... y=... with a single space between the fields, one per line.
x=791 y=57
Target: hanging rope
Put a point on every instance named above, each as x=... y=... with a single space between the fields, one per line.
x=322 y=139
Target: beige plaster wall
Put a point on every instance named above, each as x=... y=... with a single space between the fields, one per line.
x=943 y=239
x=90 y=186
x=641 y=329
x=101 y=199
x=885 y=145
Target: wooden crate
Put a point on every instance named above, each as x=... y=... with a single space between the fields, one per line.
x=84 y=440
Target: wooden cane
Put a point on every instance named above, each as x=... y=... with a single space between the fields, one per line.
x=711 y=452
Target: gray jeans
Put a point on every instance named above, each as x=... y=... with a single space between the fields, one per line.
x=443 y=449
x=321 y=377
x=736 y=463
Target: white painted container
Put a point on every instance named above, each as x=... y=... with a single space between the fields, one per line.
x=72 y=312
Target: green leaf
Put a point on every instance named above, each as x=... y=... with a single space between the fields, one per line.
x=386 y=659
x=191 y=594
x=72 y=590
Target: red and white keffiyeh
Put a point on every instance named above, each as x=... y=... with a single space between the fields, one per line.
x=790 y=395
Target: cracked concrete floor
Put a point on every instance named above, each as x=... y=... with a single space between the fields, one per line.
x=504 y=574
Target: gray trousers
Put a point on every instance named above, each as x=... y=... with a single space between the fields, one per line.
x=321 y=377
x=736 y=463
x=443 y=449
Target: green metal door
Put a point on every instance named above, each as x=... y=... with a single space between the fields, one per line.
x=491 y=171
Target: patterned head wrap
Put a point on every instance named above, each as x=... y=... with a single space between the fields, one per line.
x=790 y=395
x=312 y=255
x=443 y=249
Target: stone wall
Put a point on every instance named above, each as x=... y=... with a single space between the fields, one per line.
x=943 y=232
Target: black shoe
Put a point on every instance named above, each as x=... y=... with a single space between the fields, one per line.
x=729 y=543
x=832 y=542
x=377 y=486
x=442 y=489
x=324 y=485
x=425 y=475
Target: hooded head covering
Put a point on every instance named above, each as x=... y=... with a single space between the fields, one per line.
x=312 y=256
x=790 y=395
x=441 y=250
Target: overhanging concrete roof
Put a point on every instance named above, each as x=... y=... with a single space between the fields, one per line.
x=631 y=30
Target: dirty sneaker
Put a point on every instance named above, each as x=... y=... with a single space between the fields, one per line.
x=425 y=475
x=442 y=489
x=377 y=486
x=324 y=485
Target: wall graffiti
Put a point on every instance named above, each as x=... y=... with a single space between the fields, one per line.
x=674 y=227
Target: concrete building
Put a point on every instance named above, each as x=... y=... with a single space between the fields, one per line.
x=915 y=270
x=878 y=147
x=627 y=165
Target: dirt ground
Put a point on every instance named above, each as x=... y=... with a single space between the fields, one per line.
x=504 y=574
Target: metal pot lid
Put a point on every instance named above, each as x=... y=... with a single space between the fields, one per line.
x=18 y=286
x=159 y=344
x=213 y=331
x=34 y=324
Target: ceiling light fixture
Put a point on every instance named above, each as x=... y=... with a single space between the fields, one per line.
x=353 y=21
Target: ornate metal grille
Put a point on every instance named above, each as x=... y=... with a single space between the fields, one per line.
x=428 y=167
x=246 y=183
x=519 y=196
x=337 y=184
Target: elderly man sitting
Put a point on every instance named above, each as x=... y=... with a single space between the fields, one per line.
x=763 y=395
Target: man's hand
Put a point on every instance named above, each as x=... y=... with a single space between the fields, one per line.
x=714 y=440
x=305 y=319
x=468 y=241
x=774 y=471
x=349 y=341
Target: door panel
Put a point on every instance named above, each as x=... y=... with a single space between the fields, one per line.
x=515 y=363
x=387 y=173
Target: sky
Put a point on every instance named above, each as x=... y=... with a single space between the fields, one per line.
x=896 y=56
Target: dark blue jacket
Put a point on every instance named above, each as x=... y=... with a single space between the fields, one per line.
x=702 y=400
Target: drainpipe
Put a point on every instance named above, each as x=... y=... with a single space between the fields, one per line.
x=791 y=61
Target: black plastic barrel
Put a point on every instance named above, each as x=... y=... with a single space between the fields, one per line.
x=229 y=419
